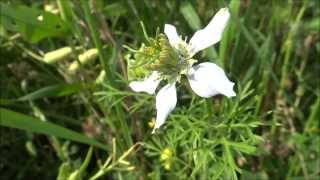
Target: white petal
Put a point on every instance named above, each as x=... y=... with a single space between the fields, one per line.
x=166 y=101
x=148 y=85
x=207 y=79
x=172 y=35
x=211 y=34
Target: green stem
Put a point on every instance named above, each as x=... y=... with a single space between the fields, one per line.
x=95 y=37
x=287 y=49
x=118 y=111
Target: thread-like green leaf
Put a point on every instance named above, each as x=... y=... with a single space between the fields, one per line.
x=243 y=147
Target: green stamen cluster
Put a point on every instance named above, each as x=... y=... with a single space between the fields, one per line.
x=158 y=56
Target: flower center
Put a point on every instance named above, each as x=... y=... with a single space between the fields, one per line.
x=160 y=56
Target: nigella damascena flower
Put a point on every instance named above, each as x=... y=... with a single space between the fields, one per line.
x=168 y=57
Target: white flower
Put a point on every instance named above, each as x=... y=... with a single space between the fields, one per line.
x=206 y=79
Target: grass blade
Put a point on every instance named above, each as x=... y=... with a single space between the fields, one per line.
x=17 y=120
x=53 y=91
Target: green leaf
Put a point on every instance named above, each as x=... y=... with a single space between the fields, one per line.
x=313 y=119
x=17 y=120
x=218 y=169
x=191 y=16
x=6 y=101
x=229 y=158
x=243 y=147
x=53 y=91
x=33 y=24
x=231 y=33
x=86 y=161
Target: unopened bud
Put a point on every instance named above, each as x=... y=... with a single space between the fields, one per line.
x=167 y=165
x=151 y=123
x=130 y=168
x=166 y=154
x=124 y=162
x=84 y=58
x=57 y=55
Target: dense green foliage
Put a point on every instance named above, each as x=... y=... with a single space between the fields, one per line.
x=67 y=111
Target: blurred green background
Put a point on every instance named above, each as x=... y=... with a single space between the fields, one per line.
x=64 y=88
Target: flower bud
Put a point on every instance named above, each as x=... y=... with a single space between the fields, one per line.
x=57 y=55
x=151 y=123
x=166 y=154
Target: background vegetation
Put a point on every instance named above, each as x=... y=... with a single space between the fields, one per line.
x=64 y=88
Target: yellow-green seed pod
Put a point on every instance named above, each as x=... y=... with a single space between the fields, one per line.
x=124 y=162
x=57 y=55
x=84 y=58
x=131 y=168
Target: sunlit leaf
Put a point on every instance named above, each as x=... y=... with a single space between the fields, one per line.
x=33 y=24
